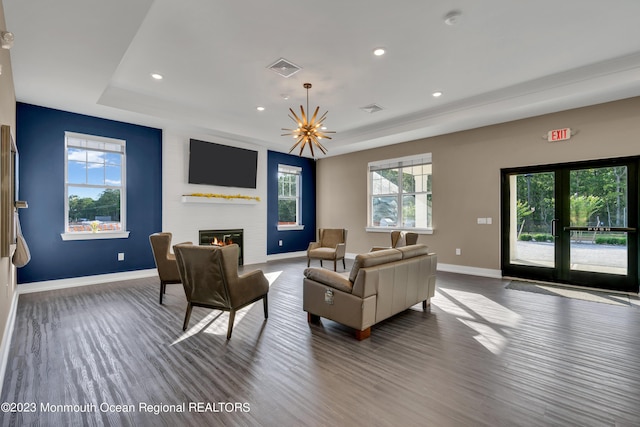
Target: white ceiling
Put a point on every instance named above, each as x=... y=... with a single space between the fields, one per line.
x=504 y=60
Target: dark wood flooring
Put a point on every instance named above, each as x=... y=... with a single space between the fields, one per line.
x=482 y=356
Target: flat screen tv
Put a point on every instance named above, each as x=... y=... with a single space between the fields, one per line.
x=216 y=164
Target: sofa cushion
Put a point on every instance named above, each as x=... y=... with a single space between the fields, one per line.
x=413 y=251
x=373 y=258
x=322 y=253
x=331 y=278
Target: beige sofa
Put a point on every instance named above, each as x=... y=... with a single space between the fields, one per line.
x=380 y=284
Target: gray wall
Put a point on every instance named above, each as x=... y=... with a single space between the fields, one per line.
x=466 y=176
x=7 y=117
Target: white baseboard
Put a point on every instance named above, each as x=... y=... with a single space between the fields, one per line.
x=5 y=346
x=473 y=271
x=49 y=285
x=286 y=255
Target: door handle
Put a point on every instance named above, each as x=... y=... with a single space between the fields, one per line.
x=554 y=227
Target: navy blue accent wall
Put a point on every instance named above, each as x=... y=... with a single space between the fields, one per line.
x=40 y=140
x=293 y=240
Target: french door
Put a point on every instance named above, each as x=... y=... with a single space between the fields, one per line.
x=572 y=223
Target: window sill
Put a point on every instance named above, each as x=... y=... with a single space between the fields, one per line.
x=290 y=227
x=95 y=236
x=390 y=229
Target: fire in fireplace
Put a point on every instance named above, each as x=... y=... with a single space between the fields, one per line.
x=223 y=238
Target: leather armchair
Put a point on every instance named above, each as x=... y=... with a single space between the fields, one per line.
x=331 y=245
x=165 y=260
x=210 y=278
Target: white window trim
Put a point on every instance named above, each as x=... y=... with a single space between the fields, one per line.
x=423 y=158
x=80 y=235
x=296 y=170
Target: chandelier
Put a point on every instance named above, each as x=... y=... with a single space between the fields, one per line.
x=309 y=131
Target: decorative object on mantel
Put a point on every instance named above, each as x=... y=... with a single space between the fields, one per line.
x=309 y=131
x=219 y=198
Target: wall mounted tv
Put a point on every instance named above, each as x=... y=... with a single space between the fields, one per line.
x=216 y=164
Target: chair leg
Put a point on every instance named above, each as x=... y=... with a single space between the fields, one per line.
x=187 y=316
x=232 y=316
x=266 y=306
x=161 y=290
x=320 y=263
x=313 y=318
x=335 y=262
x=343 y=264
x=308 y=261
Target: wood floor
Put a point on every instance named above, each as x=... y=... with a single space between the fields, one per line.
x=482 y=356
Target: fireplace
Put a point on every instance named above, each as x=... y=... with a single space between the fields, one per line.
x=223 y=238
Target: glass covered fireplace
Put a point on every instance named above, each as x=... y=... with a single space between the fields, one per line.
x=223 y=238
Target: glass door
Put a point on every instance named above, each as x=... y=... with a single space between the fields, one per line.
x=573 y=223
x=531 y=246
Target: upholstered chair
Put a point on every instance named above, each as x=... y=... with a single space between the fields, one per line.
x=331 y=245
x=403 y=238
x=210 y=278
x=165 y=260
x=399 y=239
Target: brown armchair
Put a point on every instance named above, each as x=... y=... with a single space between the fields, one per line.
x=399 y=239
x=165 y=260
x=210 y=279
x=331 y=245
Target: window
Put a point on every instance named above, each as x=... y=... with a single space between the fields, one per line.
x=400 y=193
x=94 y=187
x=289 y=198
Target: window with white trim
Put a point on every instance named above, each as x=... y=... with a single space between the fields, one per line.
x=289 y=208
x=400 y=193
x=95 y=190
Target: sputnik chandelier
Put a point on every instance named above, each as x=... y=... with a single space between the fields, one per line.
x=309 y=131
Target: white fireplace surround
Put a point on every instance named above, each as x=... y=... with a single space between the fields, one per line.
x=184 y=219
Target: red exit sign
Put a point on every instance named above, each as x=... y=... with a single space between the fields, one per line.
x=559 y=134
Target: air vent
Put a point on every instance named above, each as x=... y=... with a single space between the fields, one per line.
x=284 y=67
x=372 y=108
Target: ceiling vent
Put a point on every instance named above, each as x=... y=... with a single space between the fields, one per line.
x=284 y=68
x=372 y=108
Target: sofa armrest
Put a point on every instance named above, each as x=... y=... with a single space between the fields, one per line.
x=329 y=278
x=313 y=245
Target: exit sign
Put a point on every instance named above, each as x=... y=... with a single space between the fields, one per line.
x=559 y=134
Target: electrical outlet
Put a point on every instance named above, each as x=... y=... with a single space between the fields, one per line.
x=489 y=221
x=279 y=242
x=458 y=251
x=120 y=256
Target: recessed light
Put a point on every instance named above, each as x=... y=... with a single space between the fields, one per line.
x=260 y=108
x=436 y=94
x=378 y=52
x=157 y=76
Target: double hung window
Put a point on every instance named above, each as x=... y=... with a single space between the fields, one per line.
x=95 y=190
x=289 y=217
x=400 y=193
